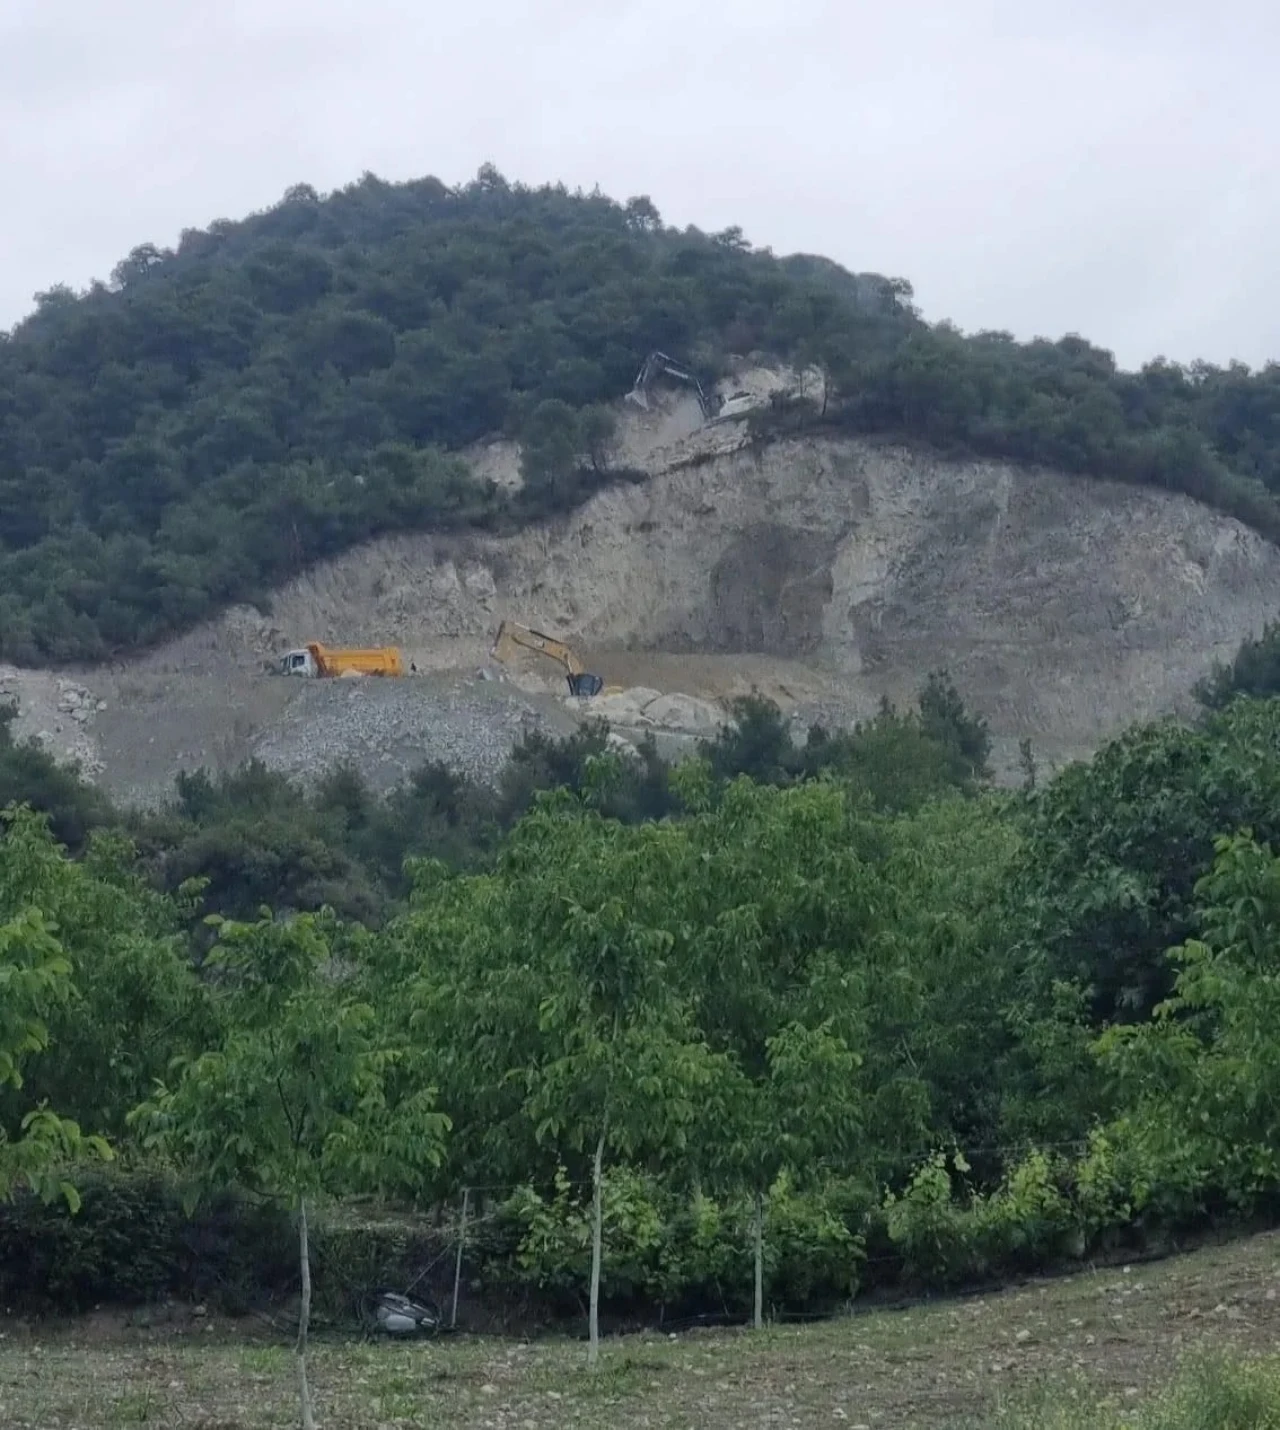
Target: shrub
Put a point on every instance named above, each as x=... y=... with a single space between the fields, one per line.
x=686 y=1251
x=132 y=1242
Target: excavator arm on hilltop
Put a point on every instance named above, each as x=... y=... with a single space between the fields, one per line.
x=657 y=363
x=512 y=637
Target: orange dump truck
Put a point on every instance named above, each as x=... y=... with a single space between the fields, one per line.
x=318 y=662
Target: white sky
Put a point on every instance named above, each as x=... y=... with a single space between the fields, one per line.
x=1041 y=166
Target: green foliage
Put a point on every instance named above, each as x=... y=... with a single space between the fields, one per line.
x=1208 y=432
x=253 y=838
x=35 y=979
x=30 y=775
x=1254 y=670
x=637 y=790
x=934 y=1235
x=299 y=1092
x=826 y=972
x=129 y=1002
x=984 y=1032
x=944 y=719
x=557 y=443
x=1047 y=1208
x=132 y=1241
x=275 y=390
x=679 y=1249
x=898 y=760
x=547 y=999
x=942 y=1048
x=1114 y=848
x=1200 y=1078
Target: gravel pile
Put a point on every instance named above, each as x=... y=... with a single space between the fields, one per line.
x=386 y=729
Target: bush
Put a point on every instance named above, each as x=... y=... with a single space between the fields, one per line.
x=1046 y=1209
x=686 y=1253
x=132 y=1242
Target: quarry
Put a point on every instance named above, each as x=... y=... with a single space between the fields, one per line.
x=824 y=572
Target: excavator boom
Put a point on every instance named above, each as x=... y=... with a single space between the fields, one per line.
x=657 y=363
x=526 y=638
x=512 y=637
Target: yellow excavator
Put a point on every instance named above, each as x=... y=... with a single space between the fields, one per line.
x=513 y=637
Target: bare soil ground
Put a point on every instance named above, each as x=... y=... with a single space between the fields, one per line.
x=1122 y=1333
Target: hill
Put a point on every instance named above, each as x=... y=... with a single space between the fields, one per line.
x=217 y=418
x=825 y=571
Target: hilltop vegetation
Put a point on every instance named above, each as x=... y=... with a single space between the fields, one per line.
x=275 y=390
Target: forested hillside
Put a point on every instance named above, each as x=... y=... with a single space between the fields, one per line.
x=275 y=390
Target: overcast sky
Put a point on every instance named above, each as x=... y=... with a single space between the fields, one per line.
x=1041 y=166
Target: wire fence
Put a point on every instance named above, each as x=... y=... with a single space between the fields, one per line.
x=455 y=1263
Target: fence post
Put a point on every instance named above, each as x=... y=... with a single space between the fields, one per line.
x=457 y=1267
x=757 y=1319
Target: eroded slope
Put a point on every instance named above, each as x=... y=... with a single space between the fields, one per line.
x=826 y=573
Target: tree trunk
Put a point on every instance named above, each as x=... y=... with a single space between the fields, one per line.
x=757 y=1319
x=304 y=1316
x=597 y=1223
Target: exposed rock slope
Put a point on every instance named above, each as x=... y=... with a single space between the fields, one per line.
x=826 y=573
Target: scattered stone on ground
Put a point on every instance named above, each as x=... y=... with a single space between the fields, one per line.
x=387 y=728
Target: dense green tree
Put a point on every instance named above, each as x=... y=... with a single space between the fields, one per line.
x=1114 y=848
x=1199 y=1081
x=299 y=1094
x=565 y=1026
x=30 y=775
x=38 y=1144
x=130 y=1001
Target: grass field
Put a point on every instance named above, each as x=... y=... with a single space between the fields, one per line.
x=1097 y=1349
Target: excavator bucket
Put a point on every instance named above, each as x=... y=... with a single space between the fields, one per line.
x=585 y=684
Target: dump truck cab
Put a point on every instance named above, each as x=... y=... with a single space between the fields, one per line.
x=299 y=662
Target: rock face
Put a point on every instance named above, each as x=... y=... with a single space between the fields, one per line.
x=824 y=573
x=1064 y=608
x=58 y=713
